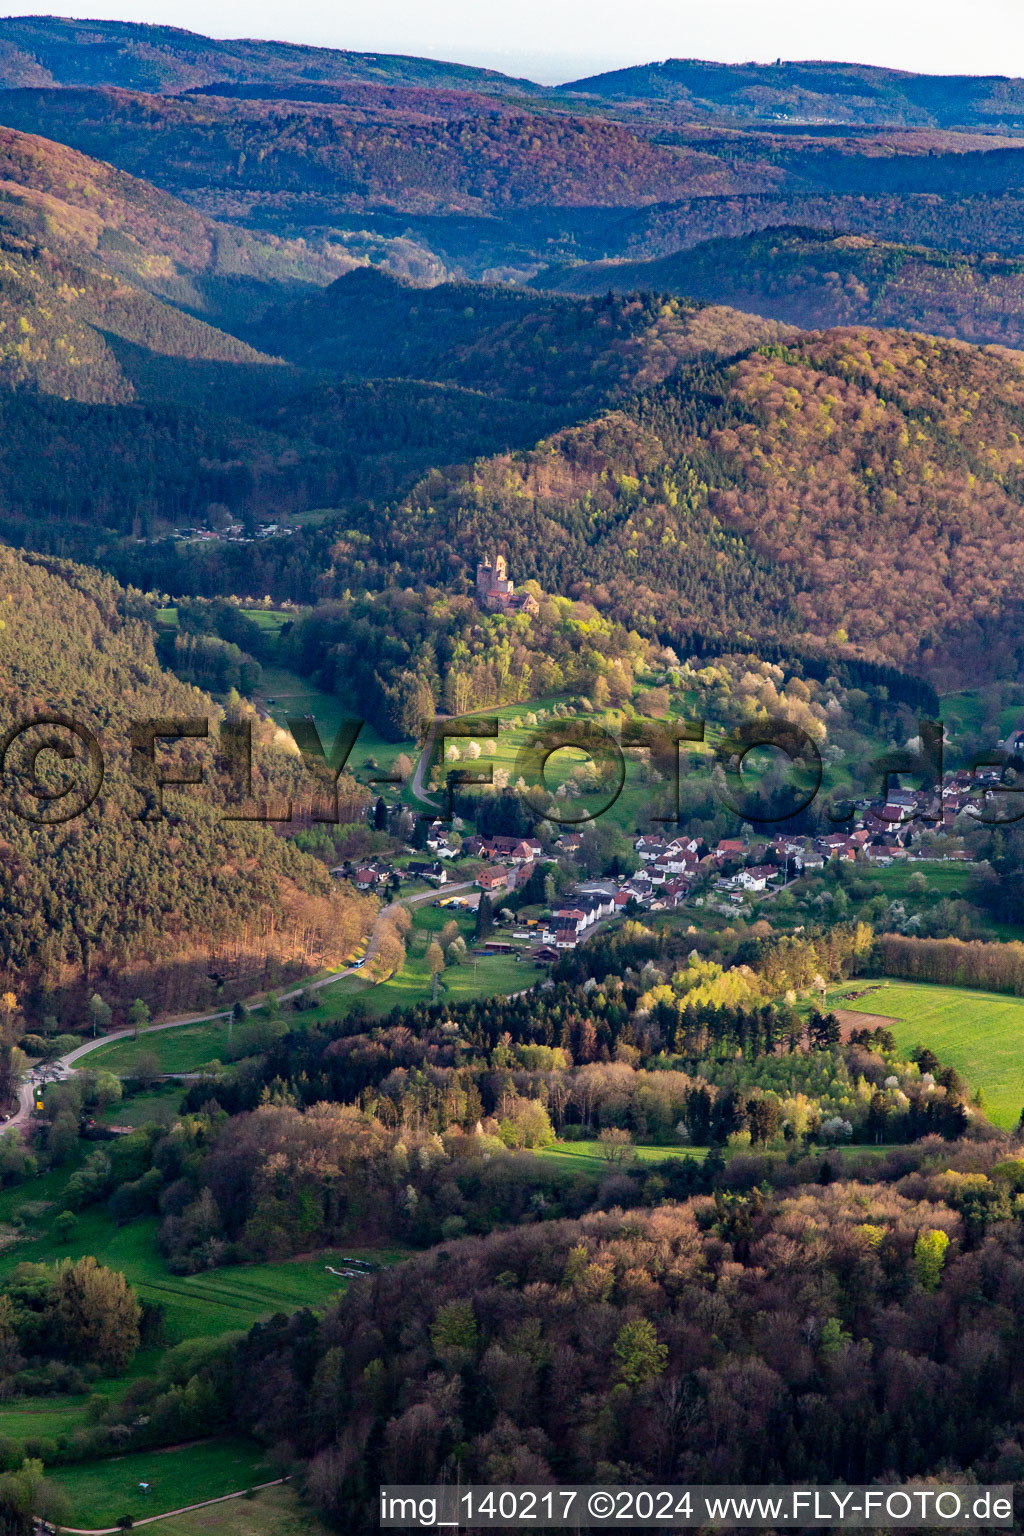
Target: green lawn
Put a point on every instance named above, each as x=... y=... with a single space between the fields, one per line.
x=966 y=712
x=194 y=1047
x=159 y=1104
x=269 y=619
x=981 y=1034
x=480 y=976
x=102 y=1491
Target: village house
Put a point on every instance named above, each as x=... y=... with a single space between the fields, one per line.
x=600 y=897
x=544 y=954
x=837 y=845
x=730 y=848
x=566 y=915
x=649 y=847
x=638 y=888
x=435 y=872
x=437 y=840
x=366 y=877
x=757 y=877
x=511 y=850
x=494 y=881
x=676 y=862
x=500 y=879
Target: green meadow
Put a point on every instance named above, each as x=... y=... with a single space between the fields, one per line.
x=589 y=1157
x=981 y=1034
x=102 y=1491
x=213 y=1302
x=291 y=695
x=205 y=1305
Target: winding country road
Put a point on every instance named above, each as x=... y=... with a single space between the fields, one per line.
x=20 y=1120
x=423 y=763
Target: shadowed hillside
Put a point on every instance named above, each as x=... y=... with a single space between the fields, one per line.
x=147 y=904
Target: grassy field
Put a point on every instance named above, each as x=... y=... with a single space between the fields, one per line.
x=292 y=695
x=943 y=879
x=269 y=619
x=102 y=1491
x=966 y=712
x=206 y=1304
x=981 y=1034
x=271 y=1512
x=196 y=1047
x=189 y=1048
x=480 y=976
x=157 y=1104
x=588 y=1155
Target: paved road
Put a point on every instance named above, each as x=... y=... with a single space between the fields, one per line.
x=424 y=760
x=428 y=749
x=26 y=1091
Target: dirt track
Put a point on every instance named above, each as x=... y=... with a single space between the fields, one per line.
x=850 y=1019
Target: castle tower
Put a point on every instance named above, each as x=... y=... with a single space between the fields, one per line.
x=494 y=590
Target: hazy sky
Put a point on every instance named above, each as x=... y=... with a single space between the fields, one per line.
x=553 y=40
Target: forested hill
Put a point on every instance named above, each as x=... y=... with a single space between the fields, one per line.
x=54 y=50
x=51 y=50
x=62 y=327
x=814 y=91
x=500 y=340
x=101 y=274
x=465 y=181
x=147 y=907
x=325 y=159
x=856 y=487
x=162 y=417
x=811 y=279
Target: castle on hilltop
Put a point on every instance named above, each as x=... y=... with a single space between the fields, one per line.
x=496 y=593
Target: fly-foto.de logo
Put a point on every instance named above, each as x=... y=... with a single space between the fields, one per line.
x=52 y=768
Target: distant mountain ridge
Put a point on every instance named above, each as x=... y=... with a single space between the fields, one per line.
x=40 y=51
x=815 y=91
x=53 y=50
